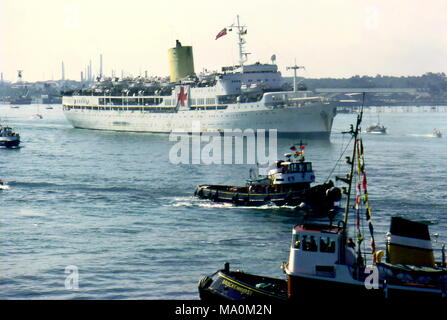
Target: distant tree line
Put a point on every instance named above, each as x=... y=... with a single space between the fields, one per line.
x=433 y=83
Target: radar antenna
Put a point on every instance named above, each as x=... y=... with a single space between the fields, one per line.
x=295 y=68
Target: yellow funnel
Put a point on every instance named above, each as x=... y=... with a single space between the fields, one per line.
x=181 y=62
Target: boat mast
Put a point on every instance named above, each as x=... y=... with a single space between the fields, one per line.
x=241 y=31
x=354 y=132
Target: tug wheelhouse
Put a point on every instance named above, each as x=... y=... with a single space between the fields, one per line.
x=291 y=175
x=314 y=249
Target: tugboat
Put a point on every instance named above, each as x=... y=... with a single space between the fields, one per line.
x=288 y=183
x=8 y=138
x=240 y=286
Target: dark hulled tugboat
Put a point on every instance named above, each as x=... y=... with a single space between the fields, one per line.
x=240 y=286
x=8 y=138
x=288 y=183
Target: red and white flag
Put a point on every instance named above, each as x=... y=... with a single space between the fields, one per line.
x=222 y=33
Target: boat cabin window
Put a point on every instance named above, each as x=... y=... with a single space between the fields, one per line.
x=301 y=167
x=296 y=242
x=308 y=243
x=308 y=166
x=327 y=245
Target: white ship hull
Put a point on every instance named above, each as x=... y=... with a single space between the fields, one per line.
x=313 y=118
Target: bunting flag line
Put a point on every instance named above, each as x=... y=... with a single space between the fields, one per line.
x=365 y=200
x=358 y=194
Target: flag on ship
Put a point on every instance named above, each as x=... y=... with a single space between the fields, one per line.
x=221 y=33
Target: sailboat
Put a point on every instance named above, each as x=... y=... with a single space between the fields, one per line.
x=376 y=128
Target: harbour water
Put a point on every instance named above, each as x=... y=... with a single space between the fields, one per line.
x=114 y=206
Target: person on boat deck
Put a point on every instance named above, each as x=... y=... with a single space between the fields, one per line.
x=350 y=255
x=312 y=244
x=351 y=243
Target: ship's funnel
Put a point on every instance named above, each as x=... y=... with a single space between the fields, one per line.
x=181 y=62
x=409 y=243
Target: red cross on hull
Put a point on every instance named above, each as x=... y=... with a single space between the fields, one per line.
x=182 y=96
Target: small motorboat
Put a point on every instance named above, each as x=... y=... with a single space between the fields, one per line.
x=437 y=133
x=3 y=186
x=8 y=138
x=226 y=285
x=376 y=129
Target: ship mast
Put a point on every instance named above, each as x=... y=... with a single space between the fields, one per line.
x=294 y=68
x=241 y=31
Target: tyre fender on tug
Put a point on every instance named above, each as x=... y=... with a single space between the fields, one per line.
x=288 y=197
x=333 y=194
x=200 y=192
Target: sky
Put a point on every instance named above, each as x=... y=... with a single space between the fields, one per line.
x=331 y=38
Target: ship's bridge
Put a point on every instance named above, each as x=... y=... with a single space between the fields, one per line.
x=288 y=172
x=257 y=77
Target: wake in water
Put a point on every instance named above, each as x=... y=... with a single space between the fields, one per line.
x=423 y=135
x=202 y=203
